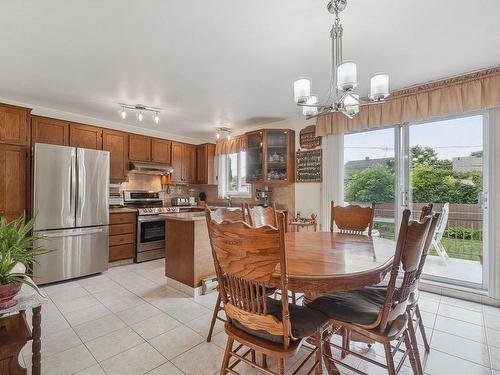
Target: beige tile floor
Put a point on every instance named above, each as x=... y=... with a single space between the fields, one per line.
x=129 y=321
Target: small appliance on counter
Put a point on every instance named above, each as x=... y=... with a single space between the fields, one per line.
x=115 y=198
x=150 y=223
x=180 y=201
x=263 y=196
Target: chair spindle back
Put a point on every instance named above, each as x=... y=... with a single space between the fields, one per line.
x=246 y=258
x=352 y=219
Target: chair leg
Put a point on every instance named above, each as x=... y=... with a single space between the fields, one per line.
x=389 y=359
x=253 y=355
x=413 y=340
x=319 y=353
x=346 y=343
x=327 y=350
x=227 y=356
x=214 y=318
x=415 y=364
x=264 y=361
x=281 y=366
x=422 y=329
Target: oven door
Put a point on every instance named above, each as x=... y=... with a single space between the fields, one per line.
x=150 y=233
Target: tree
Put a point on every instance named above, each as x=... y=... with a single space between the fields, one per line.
x=427 y=155
x=373 y=184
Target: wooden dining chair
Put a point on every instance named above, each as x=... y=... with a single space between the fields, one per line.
x=379 y=313
x=259 y=216
x=352 y=219
x=219 y=215
x=413 y=311
x=249 y=260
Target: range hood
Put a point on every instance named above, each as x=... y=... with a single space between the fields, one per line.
x=145 y=168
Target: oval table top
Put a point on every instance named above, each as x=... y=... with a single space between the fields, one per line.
x=321 y=262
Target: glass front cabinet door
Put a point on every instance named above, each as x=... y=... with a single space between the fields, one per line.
x=271 y=156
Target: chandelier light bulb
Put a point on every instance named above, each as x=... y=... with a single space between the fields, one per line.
x=347 y=76
x=124 y=114
x=301 y=90
x=217 y=135
x=140 y=116
x=379 y=86
x=157 y=118
x=310 y=111
x=229 y=137
x=351 y=104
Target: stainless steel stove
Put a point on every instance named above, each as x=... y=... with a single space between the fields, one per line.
x=150 y=223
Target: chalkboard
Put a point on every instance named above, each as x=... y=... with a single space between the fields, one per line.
x=308 y=166
x=308 y=139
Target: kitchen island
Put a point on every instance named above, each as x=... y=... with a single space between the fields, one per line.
x=188 y=255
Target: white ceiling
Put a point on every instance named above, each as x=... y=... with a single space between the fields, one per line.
x=226 y=62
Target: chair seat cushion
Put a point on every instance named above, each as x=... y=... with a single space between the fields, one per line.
x=359 y=306
x=303 y=320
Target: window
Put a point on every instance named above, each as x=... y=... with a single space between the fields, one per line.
x=235 y=177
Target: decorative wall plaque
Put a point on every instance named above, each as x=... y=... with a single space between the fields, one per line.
x=308 y=166
x=308 y=139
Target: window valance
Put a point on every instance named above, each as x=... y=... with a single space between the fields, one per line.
x=470 y=92
x=231 y=146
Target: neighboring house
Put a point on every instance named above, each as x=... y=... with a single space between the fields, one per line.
x=353 y=166
x=467 y=163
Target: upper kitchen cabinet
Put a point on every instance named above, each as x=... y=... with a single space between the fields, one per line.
x=161 y=151
x=13 y=181
x=49 y=130
x=271 y=156
x=255 y=156
x=117 y=144
x=205 y=171
x=14 y=125
x=85 y=136
x=183 y=163
x=139 y=148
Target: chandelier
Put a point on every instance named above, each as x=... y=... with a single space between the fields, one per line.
x=140 y=110
x=343 y=80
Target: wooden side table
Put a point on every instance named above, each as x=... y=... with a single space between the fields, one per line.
x=308 y=224
x=13 y=319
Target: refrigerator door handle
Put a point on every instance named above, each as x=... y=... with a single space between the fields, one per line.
x=72 y=186
x=79 y=187
x=68 y=233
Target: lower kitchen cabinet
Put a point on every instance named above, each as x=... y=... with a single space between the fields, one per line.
x=13 y=181
x=122 y=233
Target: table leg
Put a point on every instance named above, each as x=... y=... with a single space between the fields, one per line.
x=36 y=343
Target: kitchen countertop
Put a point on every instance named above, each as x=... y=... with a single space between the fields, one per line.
x=122 y=210
x=185 y=216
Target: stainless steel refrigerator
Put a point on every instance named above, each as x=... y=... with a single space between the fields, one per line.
x=71 y=193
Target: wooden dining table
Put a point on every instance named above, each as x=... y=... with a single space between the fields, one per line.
x=325 y=262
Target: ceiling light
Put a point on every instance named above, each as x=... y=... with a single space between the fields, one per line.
x=140 y=110
x=223 y=132
x=344 y=79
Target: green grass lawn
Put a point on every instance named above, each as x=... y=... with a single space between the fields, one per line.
x=456 y=248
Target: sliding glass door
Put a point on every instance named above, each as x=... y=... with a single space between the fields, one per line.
x=441 y=162
x=447 y=168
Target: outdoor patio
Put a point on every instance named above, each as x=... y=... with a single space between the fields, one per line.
x=454 y=269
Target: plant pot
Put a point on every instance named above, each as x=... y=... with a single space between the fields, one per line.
x=7 y=294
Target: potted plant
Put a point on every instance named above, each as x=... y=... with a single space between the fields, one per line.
x=17 y=254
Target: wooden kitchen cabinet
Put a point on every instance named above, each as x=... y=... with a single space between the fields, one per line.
x=14 y=125
x=270 y=156
x=49 y=130
x=117 y=144
x=122 y=229
x=139 y=148
x=13 y=181
x=205 y=155
x=161 y=151
x=183 y=163
x=85 y=136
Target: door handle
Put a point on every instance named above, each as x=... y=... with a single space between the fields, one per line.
x=71 y=233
